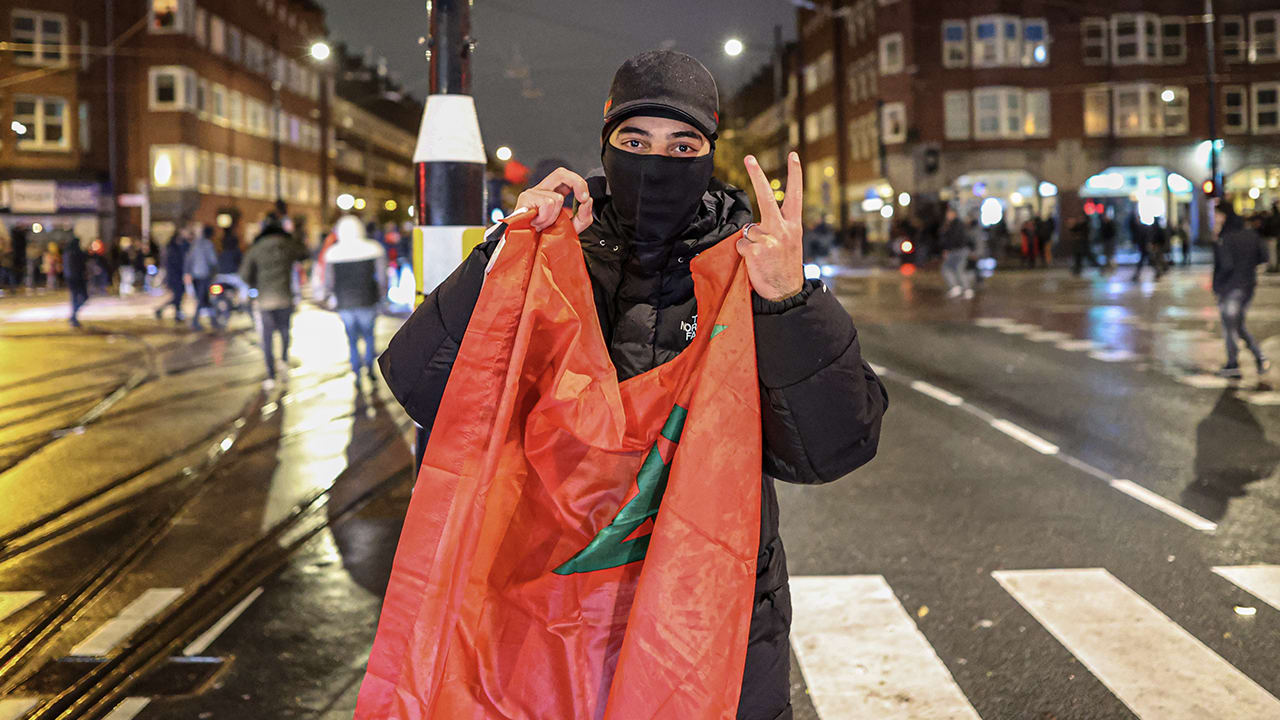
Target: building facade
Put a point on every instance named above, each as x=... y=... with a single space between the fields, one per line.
x=1011 y=109
x=175 y=110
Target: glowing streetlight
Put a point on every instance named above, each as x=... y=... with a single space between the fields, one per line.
x=360 y=203
x=503 y=153
x=904 y=199
x=320 y=50
x=390 y=205
x=346 y=201
x=733 y=47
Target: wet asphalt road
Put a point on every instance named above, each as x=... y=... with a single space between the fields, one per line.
x=149 y=471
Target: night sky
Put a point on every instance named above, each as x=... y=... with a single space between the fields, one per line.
x=542 y=67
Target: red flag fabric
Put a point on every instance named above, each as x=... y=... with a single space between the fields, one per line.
x=578 y=547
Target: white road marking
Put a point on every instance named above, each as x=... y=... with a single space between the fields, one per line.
x=1114 y=355
x=1163 y=504
x=1026 y=437
x=994 y=322
x=1204 y=382
x=128 y=708
x=1116 y=634
x=1077 y=345
x=1261 y=581
x=14 y=600
x=118 y=629
x=1269 y=397
x=937 y=393
x=1052 y=336
x=15 y=707
x=207 y=637
x=1019 y=329
x=863 y=657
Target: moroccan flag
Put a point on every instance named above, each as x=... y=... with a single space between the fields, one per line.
x=578 y=547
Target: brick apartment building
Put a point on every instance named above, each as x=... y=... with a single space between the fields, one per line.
x=207 y=110
x=1023 y=107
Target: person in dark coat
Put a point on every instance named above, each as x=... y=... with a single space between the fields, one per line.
x=1080 y=234
x=956 y=248
x=200 y=267
x=175 y=260
x=821 y=404
x=75 y=270
x=1236 y=256
x=268 y=269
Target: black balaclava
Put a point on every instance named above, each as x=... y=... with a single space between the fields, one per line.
x=656 y=195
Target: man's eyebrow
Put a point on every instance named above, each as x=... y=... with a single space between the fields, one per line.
x=685 y=134
x=633 y=129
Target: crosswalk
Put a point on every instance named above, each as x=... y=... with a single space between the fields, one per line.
x=863 y=656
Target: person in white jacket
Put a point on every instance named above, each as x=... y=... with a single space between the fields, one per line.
x=355 y=279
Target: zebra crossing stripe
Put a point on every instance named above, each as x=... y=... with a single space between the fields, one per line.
x=862 y=656
x=1261 y=581
x=1115 y=634
x=128 y=708
x=12 y=601
x=15 y=707
x=112 y=633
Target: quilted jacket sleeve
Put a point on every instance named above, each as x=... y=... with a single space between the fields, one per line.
x=820 y=403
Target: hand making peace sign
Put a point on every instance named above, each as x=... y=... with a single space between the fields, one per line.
x=774 y=249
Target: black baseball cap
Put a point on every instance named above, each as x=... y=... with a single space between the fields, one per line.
x=665 y=83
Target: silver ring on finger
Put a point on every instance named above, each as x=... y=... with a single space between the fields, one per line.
x=746 y=230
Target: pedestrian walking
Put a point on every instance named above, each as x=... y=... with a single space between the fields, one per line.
x=1236 y=256
x=1107 y=233
x=1030 y=243
x=174 y=261
x=51 y=265
x=355 y=278
x=75 y=269
x=1181 y=235
x=1149 y=239
x=637 y=234
x=1079 y=234
x=956 y=248
x=1044 y=228
x=8 y=268
x=200 y=267
x=268 y=269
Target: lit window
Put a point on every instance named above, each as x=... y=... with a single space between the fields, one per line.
x=1140 y=109
x=1094 y=32
x=235 y=109
x=1035 y=42
x=171 y=16
x=234 y=43
x=202 y=97
x=998 y=112
x=205 y=173
x=174 y=167
x=1173 y=39
x=1097 y=111
x=1264 y=37
x=1266 y=107
x=220 y=104
x=1134 y=38
x=202 y=27
x=891 y=56
x=40 y=38
x=1174 y=100
x=221 y=174
x=986 y=42
x=956 y=110
x=217 y=35
x=255 y=180
x=1233 y=44
x=44 y=120
x=955 y=43
x=235 y=184
x=173 y=87
x=1011 y=41
x=894 y=123
x=1035 y=118
x=1235 y=110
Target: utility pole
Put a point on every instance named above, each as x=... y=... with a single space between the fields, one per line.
x=1210 y=31
x=449 y=160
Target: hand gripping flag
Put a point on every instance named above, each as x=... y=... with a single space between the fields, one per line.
x=577 y=547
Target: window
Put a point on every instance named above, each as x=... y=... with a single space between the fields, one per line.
x=1233 y=44
x=997 y=40
x=202 y=98
x=1035 y=42
x=255 y=180
x=956 y=110
x=221 y=174
x=1097 y=111
x=1235 y=110
x=217 y=35
x=891 y=60
x=893 y=123
x=234 y=44
x=254 y=54
x=295 y=132
x=235 y=184
x=41 y=38
x=1266 y=107
x=1174 y=100
x=955 y=43
x=1264 y=36
x=205 y=174
x=174 y=167
x=202 y=27
x=1173 y=39
x=170 y=16
x=255 y=116
x=1035 y=114
x=1094 y=31
x=1012 y=40
x=1139 y=109
x=44 y=122
x=220 y=115
x=819 y=72
x=82 y=126
x=235 y=109
x=1136 y=38
x=172 y=87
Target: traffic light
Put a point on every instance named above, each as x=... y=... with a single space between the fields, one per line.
x=1208 y=187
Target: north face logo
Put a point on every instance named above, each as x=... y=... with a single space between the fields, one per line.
x=690 y=328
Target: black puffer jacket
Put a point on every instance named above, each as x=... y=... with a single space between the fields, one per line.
x=820 y=403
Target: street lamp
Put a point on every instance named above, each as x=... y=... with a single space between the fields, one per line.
x=503 y=153
x=320 y=50
x=1167 y=96
x=733 y=47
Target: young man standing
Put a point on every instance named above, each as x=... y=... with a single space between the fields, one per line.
x=1236 y=256
x=655 y=208
x=268 y=269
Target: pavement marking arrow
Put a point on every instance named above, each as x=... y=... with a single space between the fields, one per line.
x=862 y=655
x=1261 y=581
x=1115 y=633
